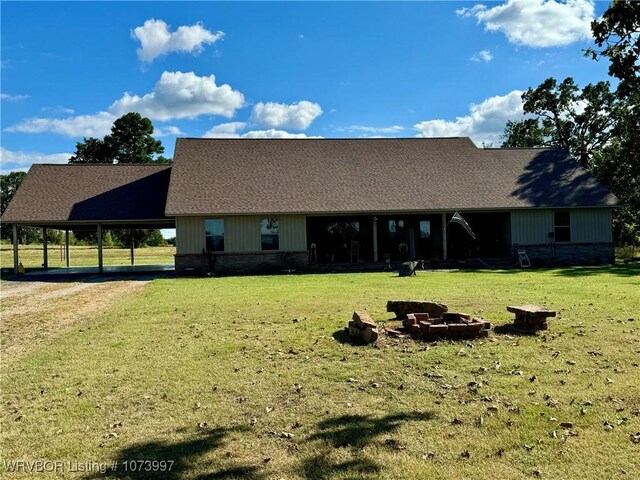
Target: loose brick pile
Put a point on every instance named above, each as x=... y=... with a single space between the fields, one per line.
x=530 y=317
x=362 y=328
x=453 y=326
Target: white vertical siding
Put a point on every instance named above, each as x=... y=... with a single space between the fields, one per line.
x=189 y=235
x=588 y=225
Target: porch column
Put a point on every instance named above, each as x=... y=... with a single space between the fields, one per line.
x=45 y=249
x=66 y=250
x=444 y=236
x=100 y=265
x=375 y=239
x=132 y=253
x=15 y=249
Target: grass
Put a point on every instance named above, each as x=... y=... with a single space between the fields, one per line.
x=250 y=377
x=31 y=256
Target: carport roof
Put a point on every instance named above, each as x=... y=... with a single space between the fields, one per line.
x=68 y=195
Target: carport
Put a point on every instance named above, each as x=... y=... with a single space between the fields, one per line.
x=92 y=197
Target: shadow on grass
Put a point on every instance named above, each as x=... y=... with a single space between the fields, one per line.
x=353 y=432
x=185 y=456
x=627 y=270
x=510 y=329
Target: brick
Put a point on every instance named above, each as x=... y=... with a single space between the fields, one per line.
x=363 y=320
x=402 y=307
x=438 y=330
x=457 y=329
x=369 y=335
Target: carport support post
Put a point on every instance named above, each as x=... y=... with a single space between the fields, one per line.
x=45 y=250
x=66 y=250
x=15 y=249
x=132 y=254
x=100 y=266
x=375 y=239
x=444 y=236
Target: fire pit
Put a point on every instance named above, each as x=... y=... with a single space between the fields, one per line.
x=450 y=325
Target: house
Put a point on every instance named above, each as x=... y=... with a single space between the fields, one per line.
x=243 y=205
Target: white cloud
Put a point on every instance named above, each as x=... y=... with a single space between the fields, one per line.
x=175 y=95
x=482 y=56
x=13 y=98
x=59 y=109
x=182 y=95
x=485 y=122
x=537 y=23
x=226 y=130
x=96 y=125
x=363 y=129
x=279 y=115
x=156 y=39
x=20 y=161
x=272 y=133
x=233 y=129
x=167 y=131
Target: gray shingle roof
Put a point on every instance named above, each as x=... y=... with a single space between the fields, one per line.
x=246 y=176
x=86 y=193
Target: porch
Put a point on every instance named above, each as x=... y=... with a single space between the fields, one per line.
x=367 y=241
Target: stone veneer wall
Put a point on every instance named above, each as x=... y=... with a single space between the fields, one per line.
x=240 y=263
x=569 y=254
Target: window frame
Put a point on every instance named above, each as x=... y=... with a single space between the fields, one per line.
x=562 y=224
x=206 y=237
x=273 y=246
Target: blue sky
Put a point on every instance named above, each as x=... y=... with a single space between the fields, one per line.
x=271 y=69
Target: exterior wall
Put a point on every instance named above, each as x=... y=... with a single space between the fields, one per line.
x=591 y=236
x=189 y=235
x=242 y=245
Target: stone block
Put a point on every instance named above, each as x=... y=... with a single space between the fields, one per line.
x=403 y=307
x=438 y=330
x=369 y=335
x=457 y=330
x=363 y=320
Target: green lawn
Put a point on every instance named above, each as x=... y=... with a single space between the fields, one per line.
x=31 y=256
x=250 y=377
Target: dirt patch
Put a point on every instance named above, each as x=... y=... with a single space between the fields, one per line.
x=34 y=313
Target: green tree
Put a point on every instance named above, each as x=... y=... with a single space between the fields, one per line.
x=578 y=121
x=617 y=35
x=130 y=141
x=92 y=150
x=9 y=184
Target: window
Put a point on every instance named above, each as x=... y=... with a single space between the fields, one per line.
x=269 y=234
x=214 y=234
x=396 y=226
x=562 y=226
x=425 y=229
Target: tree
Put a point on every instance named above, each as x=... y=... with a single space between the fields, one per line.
x=578 y=121
x=618 y=30
x=92 y=150
x=131 y=141
x=8 y=186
